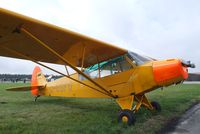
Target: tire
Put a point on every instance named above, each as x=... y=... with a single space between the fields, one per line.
x=126 y=116
x=156 y=106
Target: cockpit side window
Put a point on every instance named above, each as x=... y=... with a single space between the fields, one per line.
x=115 y=66
x=109 y=67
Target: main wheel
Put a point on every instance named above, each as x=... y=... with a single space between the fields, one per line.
x=126 y=116
x=156 y=106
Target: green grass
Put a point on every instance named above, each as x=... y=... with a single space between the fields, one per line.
x=20 y=114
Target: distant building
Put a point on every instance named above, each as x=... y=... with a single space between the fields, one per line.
x=194 y=77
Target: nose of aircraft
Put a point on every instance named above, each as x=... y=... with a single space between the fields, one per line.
x=170 y=71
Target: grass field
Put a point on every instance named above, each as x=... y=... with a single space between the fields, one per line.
x=20 y=114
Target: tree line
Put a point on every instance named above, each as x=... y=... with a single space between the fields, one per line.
x=21 y=77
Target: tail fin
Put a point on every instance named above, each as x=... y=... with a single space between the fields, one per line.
x=37 y=79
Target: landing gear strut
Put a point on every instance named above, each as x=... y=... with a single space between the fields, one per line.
x=127 y=114
x=36 y=97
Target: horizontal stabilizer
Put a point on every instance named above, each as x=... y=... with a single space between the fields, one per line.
x=24 y=88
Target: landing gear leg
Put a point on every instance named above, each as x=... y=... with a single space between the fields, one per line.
x=36 y=97
x=142 y=100
x=127 y=112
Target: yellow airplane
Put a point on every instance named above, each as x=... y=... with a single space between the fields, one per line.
x=102 y=70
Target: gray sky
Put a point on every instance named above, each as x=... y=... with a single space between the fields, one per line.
x=159 y=28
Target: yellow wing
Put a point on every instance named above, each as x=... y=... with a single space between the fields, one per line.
x=68 y=44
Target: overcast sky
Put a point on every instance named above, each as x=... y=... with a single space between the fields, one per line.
x=159 y=28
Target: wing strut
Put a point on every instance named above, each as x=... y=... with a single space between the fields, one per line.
x=63 y=59
x=31 y=59
x=67 y=70
x=83 y=55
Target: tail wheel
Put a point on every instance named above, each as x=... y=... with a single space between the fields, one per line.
x=126 y=116
x=156 y=106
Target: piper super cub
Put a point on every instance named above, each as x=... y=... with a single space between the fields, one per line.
x=102 y=70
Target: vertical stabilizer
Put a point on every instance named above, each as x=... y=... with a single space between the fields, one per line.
x=38 y=79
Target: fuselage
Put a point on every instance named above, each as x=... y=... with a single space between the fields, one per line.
x=121 y=76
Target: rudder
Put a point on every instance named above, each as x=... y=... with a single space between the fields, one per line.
x=38 y=79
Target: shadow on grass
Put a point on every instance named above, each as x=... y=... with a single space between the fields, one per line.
x=74 y=103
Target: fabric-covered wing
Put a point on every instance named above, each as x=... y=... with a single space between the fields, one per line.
x=67 y=43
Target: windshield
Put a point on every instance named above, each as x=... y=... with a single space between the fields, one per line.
x=139 y=59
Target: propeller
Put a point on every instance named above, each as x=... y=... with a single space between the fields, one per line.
x=188 y=64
